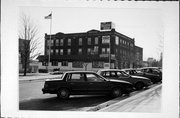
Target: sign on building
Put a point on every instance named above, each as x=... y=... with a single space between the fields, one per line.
x=107 y=25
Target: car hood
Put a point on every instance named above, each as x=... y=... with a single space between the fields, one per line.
x=139 y=77
x=121 y=81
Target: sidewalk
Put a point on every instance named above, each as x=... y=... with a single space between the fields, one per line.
x=147 y=101
x=37 y=76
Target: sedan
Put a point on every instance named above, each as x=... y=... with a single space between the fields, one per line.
x=85 y=83
x=153 y=74
x=137 y=81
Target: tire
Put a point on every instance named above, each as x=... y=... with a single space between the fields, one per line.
x=139 y=85
x=63 y=93
x=116 y=92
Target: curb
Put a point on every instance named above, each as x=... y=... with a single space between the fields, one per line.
x=122 y=100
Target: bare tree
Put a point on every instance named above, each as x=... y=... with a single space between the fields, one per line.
x=30 y=43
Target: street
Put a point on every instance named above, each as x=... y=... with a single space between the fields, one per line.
x=32 y=98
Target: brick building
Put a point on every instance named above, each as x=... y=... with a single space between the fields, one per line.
x=91 y=50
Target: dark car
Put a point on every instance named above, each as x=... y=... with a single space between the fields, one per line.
x=154 y=75
x=85 y=83
x=137 y=81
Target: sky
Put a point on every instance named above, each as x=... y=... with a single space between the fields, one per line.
x=145 y=25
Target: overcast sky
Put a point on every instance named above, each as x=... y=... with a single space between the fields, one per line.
x=145 y=25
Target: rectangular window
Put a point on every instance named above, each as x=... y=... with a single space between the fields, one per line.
x=117 y=40
x=96 y=40
x=61 y=42
x=54 y=63
x=69 y=42
x=61 y=51
x=89 y=41
x=65 y=63
x=44 y=63
x=98 y=64
x=96 y=48
x=77 y=64
x=52 y=51
x=57 y=51
x=80 y=51
x=89 y=51
x=76 y=77
x=52 y=43
x=69 y=52
x=103 y=50
x=80 y=41
x=57 y=42
x=108 y=50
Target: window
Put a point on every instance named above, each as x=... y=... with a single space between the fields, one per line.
x=89 y=41
x=122 y=74
x=93 y=78
x=96 y=40
x=76 y=77
x=106 y=74
x=69 y=52
x=65 y=63
x=44 y=63
x=77 y=64
x=96 y=49
x=89 y=51
x=117 y=40
x=80 y=51
x=57 y=51
x=57 y=42
x=103 y=50
x=61 y=51
x=108 y=50
x=52 y=51
x=98 y=64
x=61 y=42
x=80 y=41
x=54 y=63
x=113 y=74
x=69 y=42
x=52 y=42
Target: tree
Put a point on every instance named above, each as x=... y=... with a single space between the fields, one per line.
x=28 y=32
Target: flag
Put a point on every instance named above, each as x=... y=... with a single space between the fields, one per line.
x=49 y=16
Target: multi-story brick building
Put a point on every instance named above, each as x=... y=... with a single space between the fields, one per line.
x=90 y=50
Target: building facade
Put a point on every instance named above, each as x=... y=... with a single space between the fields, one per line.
x=90 y=50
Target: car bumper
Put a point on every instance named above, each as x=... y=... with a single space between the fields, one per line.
x=51 y=91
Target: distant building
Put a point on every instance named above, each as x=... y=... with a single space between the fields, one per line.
x=91 y=50
x=138 y=56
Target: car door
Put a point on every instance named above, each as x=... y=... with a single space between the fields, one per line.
x=124 y=76
x=77 y=83
x=96 y=84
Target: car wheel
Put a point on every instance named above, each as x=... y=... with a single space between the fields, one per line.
x=116 y=92
x=139 y=86
x=63 y=93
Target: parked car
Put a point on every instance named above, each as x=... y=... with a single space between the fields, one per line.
x=143 y=72
x=137 y=81
x=152 y=70
x=85 y=82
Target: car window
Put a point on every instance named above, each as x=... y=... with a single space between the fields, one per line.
x=93 y=78
x=113 y=74
x=122 y=74
x=76 y=77
x=106 y=74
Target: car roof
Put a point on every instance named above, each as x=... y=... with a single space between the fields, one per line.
x=150 y=67
x=109 y=70
x=79 y=72
x=129 y=69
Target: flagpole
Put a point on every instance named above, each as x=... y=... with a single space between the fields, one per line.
x=49 y=59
